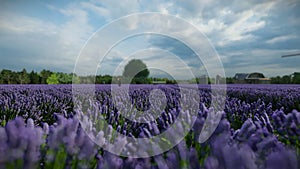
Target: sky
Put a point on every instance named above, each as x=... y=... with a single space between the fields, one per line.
x=248 y=36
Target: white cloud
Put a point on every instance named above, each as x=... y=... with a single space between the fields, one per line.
x=99 y=10
x=281 y=39
x=75 y=32
x=44 y=43
x=226 y=23
x=112 y=9
x=246 y=22
x=18 y=24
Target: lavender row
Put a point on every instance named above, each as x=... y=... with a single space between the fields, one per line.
x=65 y=145
x=38 y=102
x=252 y=134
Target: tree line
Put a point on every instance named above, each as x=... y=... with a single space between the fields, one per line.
x=286 y=79
x=50 y=77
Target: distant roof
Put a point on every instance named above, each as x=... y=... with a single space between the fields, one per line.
x=255 y=75
x=241 y=76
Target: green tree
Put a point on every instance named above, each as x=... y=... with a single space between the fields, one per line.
x=23 y=77
x=53 y=79
x=276 y=80
x=75 y=78
x=229 y=80
x=34 y=78
x=107 y=79
x=99 y=79
x=7 y=76
x=44 y=74
x=137 y=71
x=286 y=79
x=296 y=78
x=64 y=78
x=87 y=79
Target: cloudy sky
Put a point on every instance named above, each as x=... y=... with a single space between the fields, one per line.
x=249 y=36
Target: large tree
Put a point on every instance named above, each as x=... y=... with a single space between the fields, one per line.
x=136 y=70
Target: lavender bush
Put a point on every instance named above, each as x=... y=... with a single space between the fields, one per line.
x=260 y=128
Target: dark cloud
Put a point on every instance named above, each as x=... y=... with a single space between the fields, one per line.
x=176 y=47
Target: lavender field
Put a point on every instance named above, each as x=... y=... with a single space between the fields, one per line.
x=259 y=129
